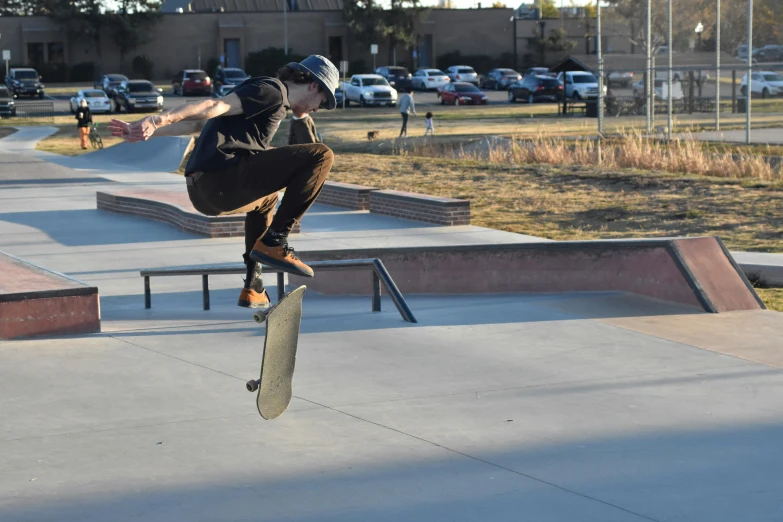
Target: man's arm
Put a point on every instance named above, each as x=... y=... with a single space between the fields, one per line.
x=185 y=119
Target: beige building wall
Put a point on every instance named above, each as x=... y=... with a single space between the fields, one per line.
x=190 y=40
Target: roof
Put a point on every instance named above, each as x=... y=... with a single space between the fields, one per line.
x=638 y=62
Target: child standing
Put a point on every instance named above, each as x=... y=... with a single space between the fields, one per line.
x=430 y=128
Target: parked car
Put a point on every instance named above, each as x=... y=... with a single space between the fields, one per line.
x=765 y=83
x=535 y=71
x=770 y=53
x=661 y=89
x=621 y=78
x=109 y=83
x=97 y=101
x=221 y=91
x=500 y=79
x=579 y=85
x=24 y=82
x=138 y=95
x=398 y=77
x=461 y=93
x=338 y=96
x=429 y=79
x=230 y=76
x=538 y=88
x=462 y=73
x=369 y=89
x=191 y=81
x=7 y=103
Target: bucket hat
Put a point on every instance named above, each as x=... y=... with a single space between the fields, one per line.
x=323 y=72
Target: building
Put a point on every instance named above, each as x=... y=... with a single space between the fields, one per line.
x=193 y=33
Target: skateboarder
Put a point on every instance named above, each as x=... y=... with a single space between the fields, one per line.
x=233 y=170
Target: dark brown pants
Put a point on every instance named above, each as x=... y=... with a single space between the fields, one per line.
x=251 y=187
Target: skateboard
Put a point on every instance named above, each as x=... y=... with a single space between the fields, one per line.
x=277 y=365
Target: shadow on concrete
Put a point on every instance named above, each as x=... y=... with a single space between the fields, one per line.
x=353 y=313
x=654 y=475
x=95 y=227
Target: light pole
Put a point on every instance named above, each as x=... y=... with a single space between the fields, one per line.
x=513 y=20
x=669 y=73
x=699 y=29
x=717 y=65
x=599 y=53
x=750 y=71
x=285 y=26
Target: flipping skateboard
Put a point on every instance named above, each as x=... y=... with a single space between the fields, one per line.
x=277 y=365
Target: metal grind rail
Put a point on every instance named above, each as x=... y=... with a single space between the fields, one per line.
x=379 y=276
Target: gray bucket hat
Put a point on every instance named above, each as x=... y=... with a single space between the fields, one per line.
x=324 y=73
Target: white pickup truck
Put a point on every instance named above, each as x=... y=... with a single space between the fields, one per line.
x=369 y=89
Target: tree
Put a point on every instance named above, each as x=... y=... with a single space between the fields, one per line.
x=82 y=20
x=131 y=26
x=401 y=21
x=556 y=42
x=371 y=24
x=548 y=9
x=498 y=5
x=24 y=8
x=590 y=11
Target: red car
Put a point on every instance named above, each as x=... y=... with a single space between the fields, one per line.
x=191 y=81
x=461 y=93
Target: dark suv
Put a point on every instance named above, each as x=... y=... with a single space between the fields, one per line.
x=24 y=82
x=398 y=77
x=109 y=83
x=7 y=104
x=138 y=95
x=229 y=76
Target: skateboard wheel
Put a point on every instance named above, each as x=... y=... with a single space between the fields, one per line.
x=259 y=316
x=251 y=386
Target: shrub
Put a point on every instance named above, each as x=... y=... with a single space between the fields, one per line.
x=268 y=61
x=142 y=66
x=83 y=72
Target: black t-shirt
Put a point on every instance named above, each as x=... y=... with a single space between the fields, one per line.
x=225 y=140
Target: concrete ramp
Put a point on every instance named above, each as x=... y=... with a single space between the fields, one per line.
x=164 y=154
x=697 y=272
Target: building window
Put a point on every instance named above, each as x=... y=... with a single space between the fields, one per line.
x=35 y=54
x=56 y=52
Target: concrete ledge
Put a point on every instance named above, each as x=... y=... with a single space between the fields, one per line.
x=175 y=209
x=420 y=207
x=345 y=195
x=697 y=272
x=35 y=301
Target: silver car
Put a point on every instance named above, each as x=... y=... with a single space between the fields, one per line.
x=462 y=73
x=429 y=79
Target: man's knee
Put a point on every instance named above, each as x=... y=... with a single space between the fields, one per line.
x=325 y=153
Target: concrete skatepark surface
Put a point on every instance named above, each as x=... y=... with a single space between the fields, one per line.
x=549 y=407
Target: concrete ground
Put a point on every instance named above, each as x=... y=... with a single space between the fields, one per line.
x=590 y=407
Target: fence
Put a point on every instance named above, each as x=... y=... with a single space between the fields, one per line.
x=35 y=112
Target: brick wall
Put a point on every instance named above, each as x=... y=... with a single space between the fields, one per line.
x=345 y=195
x=420 y=207
x=210 y=226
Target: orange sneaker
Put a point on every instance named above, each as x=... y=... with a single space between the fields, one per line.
x=249 y=298
x=281 y=257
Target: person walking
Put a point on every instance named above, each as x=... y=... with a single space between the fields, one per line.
x=233 y=169
x=83 y=122
x=407 y=106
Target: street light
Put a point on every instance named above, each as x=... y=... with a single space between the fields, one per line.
x=513 y=20
x=699 y=29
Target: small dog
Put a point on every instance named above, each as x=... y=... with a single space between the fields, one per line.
x=371 y=135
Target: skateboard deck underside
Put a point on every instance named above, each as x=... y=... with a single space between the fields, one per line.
x=277 y=366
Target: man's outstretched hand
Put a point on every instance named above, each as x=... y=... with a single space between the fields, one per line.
x=141 y=130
